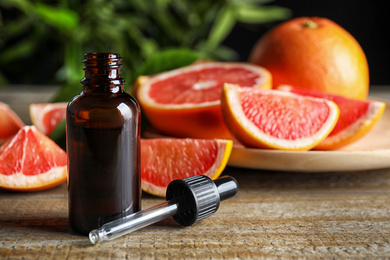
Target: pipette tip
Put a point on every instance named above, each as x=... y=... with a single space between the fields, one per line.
x=94 y=237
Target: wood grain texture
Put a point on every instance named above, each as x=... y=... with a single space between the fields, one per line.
x=274 y=215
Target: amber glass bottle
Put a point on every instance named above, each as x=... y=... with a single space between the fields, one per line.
x=103 y=145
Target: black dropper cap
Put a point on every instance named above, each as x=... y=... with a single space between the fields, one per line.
x=198 y=196
x=188 y=201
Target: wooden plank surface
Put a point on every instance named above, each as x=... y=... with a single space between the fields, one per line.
x=275 y=215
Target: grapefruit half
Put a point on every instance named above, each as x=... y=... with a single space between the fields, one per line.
x=186 y=102
x=10 y=123
x=166 y=159
x=275 y=119
x=31 y=161
x=356 y=119
x=46 y=116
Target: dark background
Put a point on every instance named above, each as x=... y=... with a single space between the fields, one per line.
x=367 y=21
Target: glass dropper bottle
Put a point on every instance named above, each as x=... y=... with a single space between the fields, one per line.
x=103 y=145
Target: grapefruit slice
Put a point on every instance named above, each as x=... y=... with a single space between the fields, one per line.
x=166 y=159
x=46 y=116
x=10 y=123
x=31 y=161
x=356 y=119
x=276 y=119
x=186 y=102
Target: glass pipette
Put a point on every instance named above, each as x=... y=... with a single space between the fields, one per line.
x=188 y=201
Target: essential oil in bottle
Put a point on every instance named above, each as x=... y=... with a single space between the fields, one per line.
x=103 y=145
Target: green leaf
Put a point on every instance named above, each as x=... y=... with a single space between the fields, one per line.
x=73 y=61
x=170 y=27
x=255 y=14
x=249 y=1
x=60 y=18
x=18 y=26
x=59 y=134
x=67 y=92
x=161 y=4
x=221 y=52
x=3 y=80
x=136 y=29
x=141 y=5
x=72 y=71
x=23 y=5
x=147 y=45
x=169 y=60
x=222 y=26
x=17 y=51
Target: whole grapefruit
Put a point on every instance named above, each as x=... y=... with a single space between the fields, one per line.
x=314 y=53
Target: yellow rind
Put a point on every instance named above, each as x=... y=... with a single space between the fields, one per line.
x=37 y=182
x=227 y=152
x=34 y=115
x=213 y=174
x=245 y=135
x=38 y=110
x=191 y=120
x=328 y=144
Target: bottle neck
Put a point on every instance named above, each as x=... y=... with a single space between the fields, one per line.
x=102 y=73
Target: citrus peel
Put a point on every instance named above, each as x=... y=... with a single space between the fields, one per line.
x=186 y=102
x=46 y=116
x=276 y=119
x=166 y=159
x=10 y=123
x=31 y=161
x=357 y=117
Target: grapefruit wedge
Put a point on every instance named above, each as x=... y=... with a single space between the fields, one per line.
x=31 y=161
x=46 y=116
x=166 y=159
x=356 y=119
x=275 y=119
x=10 y=123
x=186 y=102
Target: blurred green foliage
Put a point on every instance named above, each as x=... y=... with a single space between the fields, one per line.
x=34 y=33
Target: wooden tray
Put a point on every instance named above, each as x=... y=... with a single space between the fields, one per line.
x=370 y=152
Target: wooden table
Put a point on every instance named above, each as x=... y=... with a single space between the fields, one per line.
x=288 y=215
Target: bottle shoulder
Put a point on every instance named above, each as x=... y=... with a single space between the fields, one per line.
x=102 y=100
x=106 y=107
